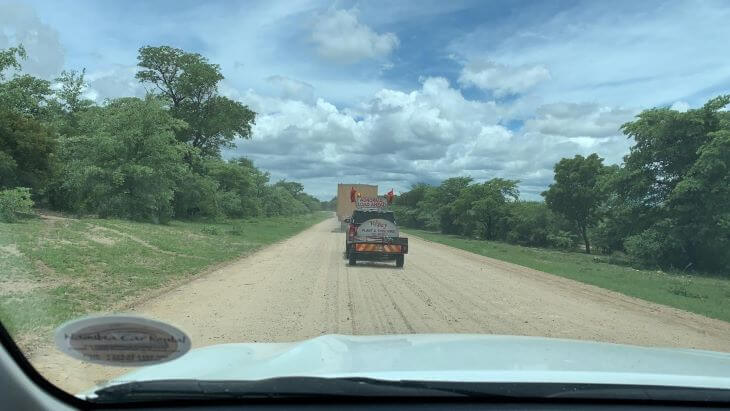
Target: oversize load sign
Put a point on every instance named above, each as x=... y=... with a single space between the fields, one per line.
x=377 y=228
x=370 y=202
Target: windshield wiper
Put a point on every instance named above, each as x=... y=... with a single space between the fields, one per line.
x=282 y=387
x=316 y=387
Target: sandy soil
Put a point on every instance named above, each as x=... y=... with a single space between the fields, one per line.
x=303 y=287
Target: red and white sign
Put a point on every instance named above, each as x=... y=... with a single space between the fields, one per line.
x=376 y=228
x=371 y=202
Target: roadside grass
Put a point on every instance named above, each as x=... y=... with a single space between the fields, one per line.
x=55 y=269
x=708 y=295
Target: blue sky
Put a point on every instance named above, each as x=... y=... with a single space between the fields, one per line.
x=394 y=93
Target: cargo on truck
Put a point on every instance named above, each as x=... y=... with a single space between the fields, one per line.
x=346 y=201
x=372 y=232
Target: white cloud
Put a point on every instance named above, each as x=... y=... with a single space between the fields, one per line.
x=20 y=24
x=501 y=79
x=640 y=53
x=321 y=124
x=293 y=89
x=342 y=38
x=116 y=81
x=579 y=120
x=428 y=134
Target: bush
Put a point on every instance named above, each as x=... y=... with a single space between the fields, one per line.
x=530 y=224
x=196 y=196
x=230 y=204
x=278 y=201
x=15 y=202
x=655 y=246
x=251 y=207
x=211 y=230
x=562 y=240
x=124 y=162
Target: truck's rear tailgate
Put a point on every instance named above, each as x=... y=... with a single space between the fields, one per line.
x=397 y=245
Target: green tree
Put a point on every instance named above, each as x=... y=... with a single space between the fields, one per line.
x=196 y=195
x=575 y=193
x=484 y=207
x=292 y=187
x=441 y=201
x=672 y=187
x=26 y=147
x=279 y=201
x=411 y=208
x=531 y=223
x=699 y=205
x=124 y=163
x=26 y=142
x=241 y=186
x=626 y=208
x=70 y=100
x=190 y=83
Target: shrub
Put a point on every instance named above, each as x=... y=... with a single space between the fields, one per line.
x=209 y=229
x=230 y=204
x=14 y=202
x=196 y=196
x=655 y=246
x=124 y=162
x=683 y=288
x=278 y=201
x=562 y=240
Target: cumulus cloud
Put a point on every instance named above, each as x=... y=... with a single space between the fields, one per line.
x=428 y=134
x=370 y=123
x=501 y=79
x=290 y=88
x=340 y=37
x=20 y=24
x=116 y=81
x=651 y=53
x=579 y=120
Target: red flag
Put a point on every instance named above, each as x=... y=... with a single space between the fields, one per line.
x=391 y=194
x=353 y=192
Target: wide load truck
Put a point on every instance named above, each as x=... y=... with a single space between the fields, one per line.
x=345 y=199
x=373 y=234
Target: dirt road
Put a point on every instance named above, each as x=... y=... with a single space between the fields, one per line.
x=302 y=287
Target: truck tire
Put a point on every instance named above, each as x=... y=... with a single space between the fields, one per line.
x=400 y=259
x=352 y=259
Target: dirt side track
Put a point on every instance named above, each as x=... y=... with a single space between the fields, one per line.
x=303 y=287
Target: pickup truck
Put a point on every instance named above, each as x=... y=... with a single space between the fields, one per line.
x=373 y=235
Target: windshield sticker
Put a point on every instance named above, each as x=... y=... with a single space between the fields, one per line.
x=121 y=340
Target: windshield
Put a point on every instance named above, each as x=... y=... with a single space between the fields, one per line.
x=446 y=192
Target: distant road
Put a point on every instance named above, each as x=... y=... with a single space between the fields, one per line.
x=303 y=287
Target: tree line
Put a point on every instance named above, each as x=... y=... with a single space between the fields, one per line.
x=667 y=204
x=152 y=158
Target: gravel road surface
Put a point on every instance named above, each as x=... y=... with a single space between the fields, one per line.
x=302 y=287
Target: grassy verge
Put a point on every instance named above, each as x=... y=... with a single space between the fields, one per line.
x=52 y=270
x=701 y=294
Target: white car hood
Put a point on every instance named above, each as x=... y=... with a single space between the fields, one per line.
x=449 y=357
